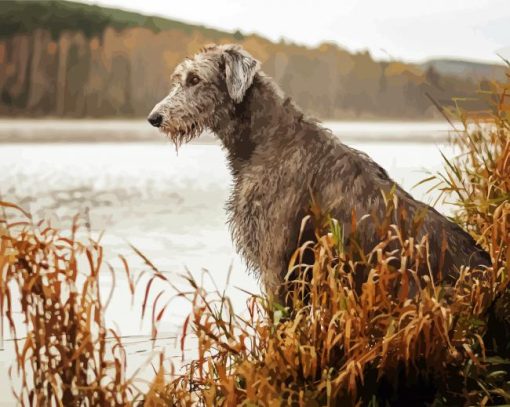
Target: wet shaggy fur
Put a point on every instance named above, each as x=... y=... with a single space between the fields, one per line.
x=278 y=158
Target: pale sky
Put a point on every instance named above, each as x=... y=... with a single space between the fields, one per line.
x=410 y=30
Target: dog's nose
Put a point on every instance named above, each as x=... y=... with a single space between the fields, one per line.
x=155 y=119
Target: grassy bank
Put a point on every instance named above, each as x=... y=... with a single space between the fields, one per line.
x=340 y=341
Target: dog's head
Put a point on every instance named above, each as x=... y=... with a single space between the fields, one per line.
x=202 y=89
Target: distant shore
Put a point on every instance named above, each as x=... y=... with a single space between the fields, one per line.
x=138 y=130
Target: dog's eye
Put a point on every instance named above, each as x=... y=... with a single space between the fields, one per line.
x=192 y=80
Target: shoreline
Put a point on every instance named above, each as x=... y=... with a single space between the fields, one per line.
x=79 y=131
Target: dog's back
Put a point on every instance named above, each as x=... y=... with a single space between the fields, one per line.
x=355 y=182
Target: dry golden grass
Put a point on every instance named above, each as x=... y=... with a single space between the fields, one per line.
x=356 y=329
x=337 y=345
x=65 y=357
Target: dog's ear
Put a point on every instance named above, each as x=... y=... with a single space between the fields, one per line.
x=240 y=68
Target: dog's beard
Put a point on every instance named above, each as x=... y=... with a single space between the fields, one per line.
x=181 y=132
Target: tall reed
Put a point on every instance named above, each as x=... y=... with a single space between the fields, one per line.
x=66 y=355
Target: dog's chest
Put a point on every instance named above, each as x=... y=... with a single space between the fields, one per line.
x=263 y=207
x=251 y=211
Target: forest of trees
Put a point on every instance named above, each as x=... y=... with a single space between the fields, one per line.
x=60 y=58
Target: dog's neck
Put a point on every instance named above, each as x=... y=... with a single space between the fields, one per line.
x=255 y=121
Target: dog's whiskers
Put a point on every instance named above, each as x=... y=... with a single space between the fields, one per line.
x=182 y=132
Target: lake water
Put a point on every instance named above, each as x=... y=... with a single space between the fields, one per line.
x=138 y=190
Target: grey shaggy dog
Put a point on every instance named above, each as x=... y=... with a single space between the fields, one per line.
x=279 y=159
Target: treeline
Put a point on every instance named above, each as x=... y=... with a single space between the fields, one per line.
x=68 y=59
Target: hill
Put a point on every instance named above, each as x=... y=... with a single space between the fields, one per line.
x=66 y=59
x=476 y=70
x=57 y=16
